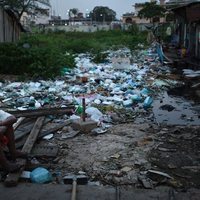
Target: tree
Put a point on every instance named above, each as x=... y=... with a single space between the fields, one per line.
x=102 y=14
x=74 y=12
x=21 y=6
x=151 y=11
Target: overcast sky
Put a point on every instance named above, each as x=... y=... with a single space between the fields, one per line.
x=60 y=7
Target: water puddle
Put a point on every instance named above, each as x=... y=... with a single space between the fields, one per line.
x=174 y=110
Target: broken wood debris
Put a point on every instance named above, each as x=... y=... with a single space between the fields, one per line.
x=42 y=112
x=19 y=121
x=12 y=178
x=28 y=130
x=22 y=133
x=25 y=128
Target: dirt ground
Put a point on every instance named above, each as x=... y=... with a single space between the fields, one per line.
x=140 y=154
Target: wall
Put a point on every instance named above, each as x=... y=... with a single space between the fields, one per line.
x=79 y=28
x=9 y=28
x=93 y=28
x=187 y=21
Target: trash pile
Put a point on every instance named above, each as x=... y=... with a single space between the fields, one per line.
x=120 y=90
x=113 y=85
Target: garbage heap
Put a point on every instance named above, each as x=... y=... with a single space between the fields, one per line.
x=125 y=81
x=119 y=90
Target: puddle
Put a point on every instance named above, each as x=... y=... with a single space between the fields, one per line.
x=185 y=91
x=173 y=110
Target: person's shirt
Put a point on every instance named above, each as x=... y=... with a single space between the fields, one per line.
x=4 y=115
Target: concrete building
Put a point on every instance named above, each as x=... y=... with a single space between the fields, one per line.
x=132 y=18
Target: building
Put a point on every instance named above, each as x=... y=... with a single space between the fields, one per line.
x=179 y=2
x=188 y=27
x=10 y=28
x=132 y=18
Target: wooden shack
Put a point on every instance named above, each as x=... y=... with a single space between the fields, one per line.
x=188 y=27
x=10 y=28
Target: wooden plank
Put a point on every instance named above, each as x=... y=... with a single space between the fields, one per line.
x=12 y=178
x=54 y=129
x=43 y=133
x=23 y=131
x=43 y=112
x=33 y=135
x=21 y=142
x=26 y=128
x=19 y=121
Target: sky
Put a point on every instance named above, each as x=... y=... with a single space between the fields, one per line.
x=60 y=7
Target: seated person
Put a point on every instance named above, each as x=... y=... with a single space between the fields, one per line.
x=7 y=139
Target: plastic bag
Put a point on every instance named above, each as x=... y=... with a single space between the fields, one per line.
x=94 y=113
x=40 y=175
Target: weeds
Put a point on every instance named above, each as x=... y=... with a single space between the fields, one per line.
x=44 y=55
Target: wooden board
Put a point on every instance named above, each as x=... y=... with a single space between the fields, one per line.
x=19 y=121
x=24 y=130
x=20 y=143
x=54 y=129
x=33 y=135
x=43 y=112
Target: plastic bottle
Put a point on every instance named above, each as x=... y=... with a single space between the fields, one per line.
x=79 y=110
x=136 y=98
x=145 y=92
x=147 y=102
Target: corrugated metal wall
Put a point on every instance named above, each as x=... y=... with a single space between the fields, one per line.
x=9 y=28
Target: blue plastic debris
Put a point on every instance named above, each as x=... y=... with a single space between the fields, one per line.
x=147 y=102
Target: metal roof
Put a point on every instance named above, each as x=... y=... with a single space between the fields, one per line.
x=186 y=4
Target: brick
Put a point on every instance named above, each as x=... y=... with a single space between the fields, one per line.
x=84 y=127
